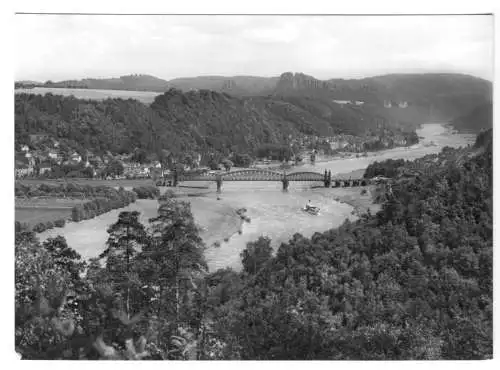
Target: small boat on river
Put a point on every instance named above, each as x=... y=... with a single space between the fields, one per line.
x=311 y=210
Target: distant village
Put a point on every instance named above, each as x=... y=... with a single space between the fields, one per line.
x=44 y=156
x=31 y=162
x=379 y=139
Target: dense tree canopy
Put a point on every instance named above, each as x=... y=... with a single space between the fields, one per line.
x=203 y=121
x=241 y=160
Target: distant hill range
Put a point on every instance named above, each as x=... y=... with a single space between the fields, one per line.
x=237 y=85
x=407 y=99
x=204 y=121
x=131 y=82
x=431 y=97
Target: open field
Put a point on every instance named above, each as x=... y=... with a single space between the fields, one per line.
x=47 y=202
x=35 y=210
x=33 y=216
x=146 y=97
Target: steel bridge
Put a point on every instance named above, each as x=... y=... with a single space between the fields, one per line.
x=254 y=175
x=268 y=175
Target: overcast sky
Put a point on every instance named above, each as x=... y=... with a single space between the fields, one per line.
x=77 y=46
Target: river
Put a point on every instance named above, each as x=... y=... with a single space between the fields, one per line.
x=434 y=137
x=272 y=212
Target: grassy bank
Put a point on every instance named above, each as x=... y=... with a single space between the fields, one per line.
x=32 y=211
x=360 y=198
x=354 y=197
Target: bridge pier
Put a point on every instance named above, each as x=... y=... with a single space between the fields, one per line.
x=218 y=181
x=285 y=183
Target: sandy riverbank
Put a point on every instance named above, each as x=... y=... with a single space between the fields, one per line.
x=218 y=220
x=360 y=199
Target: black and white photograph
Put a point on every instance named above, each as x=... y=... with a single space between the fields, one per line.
x=252 y=186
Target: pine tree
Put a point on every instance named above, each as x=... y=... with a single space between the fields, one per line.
x=126 y=237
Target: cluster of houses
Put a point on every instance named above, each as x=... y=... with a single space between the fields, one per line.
x=30 y=162
x=40 y=162
x=355 y=144
x=349 y=143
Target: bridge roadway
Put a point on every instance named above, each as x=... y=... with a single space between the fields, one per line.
x=267 y=175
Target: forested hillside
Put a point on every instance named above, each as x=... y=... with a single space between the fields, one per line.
x=198 y=120
x=241 y=113
x=430 y=96
x=413 y=282
x=476 y=120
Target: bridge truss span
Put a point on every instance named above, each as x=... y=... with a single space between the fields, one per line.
x=305 y=176
x=253 y=174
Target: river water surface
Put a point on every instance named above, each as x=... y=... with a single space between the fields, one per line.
x=272 y=212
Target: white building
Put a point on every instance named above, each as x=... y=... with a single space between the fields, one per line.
x=53 y=154
x=45 y=167
x=76 y=157
x=342 y=102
